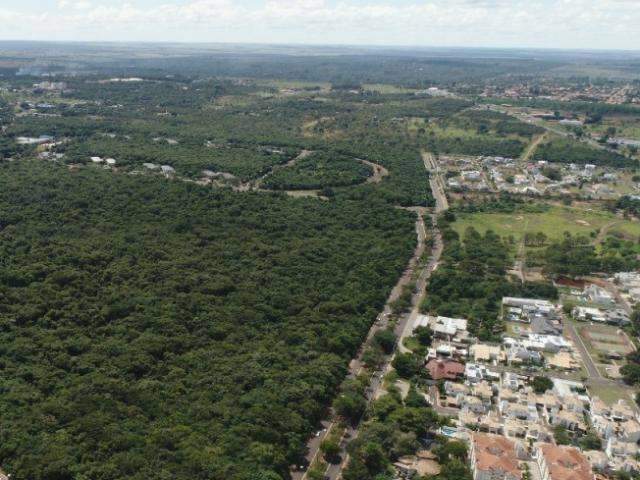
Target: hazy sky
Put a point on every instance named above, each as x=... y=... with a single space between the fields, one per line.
x=600 y=24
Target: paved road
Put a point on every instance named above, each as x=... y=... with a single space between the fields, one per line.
x=404 y=327
x=436 y=182
x=587 y=360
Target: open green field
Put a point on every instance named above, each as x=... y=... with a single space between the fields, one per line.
x=553 y=223
x=610 y=393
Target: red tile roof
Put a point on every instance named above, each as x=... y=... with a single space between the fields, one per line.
x=566 y=463
x=497 y=455
x=445 y=369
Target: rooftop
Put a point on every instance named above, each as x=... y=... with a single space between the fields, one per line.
x=496 y=454
x=566 y=463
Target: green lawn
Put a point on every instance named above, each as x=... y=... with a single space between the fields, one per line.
x=610 y=393
x=552 y=223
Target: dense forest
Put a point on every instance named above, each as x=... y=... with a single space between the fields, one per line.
x=319 y=170
x=568 y=151
x=158 y=329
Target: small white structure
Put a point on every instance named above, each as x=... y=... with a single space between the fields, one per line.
x=97 y=159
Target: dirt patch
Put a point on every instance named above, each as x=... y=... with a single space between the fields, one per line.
x=379 y=172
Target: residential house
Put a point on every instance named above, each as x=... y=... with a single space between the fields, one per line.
x=598 y=295
x=562 y=463
x=494 y=457
x=445 y=369
x=588 y=314
x=475 y=373
x=450 y=329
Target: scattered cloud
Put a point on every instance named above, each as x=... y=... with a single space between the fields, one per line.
x=544 y=23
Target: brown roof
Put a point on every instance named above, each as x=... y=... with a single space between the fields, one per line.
x=566 y=463
x=496 y=454
x=445 y=369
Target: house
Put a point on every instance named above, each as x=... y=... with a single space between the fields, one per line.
x=617 y=317
x=450 y=329
x=588 y=314
x=520 y=355
x=571 y=123
x=96 y=159
x=546 y=326
x=110 y=161
x=445 y=369
x=476 y=373
x=483 y=391
x=34 y=140
x=598 y=295
x=474 y=405
x=604 y=427
x=546 y=343
x=618 y=449
x=526 y=309
x=512 y=381
x=490 y=423
x=562 y=463
x=569 y=420
x=494 y=457
x=472 y=175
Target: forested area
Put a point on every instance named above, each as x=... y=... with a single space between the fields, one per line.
x=319 y=170
x=397 y=427
x=577 y=256
x=562 y=150
x=244 y=162
x=472 y=280
x=240 y=128
x=155 y=329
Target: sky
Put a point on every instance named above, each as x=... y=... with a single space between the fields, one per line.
x=566 y=24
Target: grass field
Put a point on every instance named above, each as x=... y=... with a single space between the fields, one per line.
x=553 y=223
x=601 y=339
x=609 y=393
